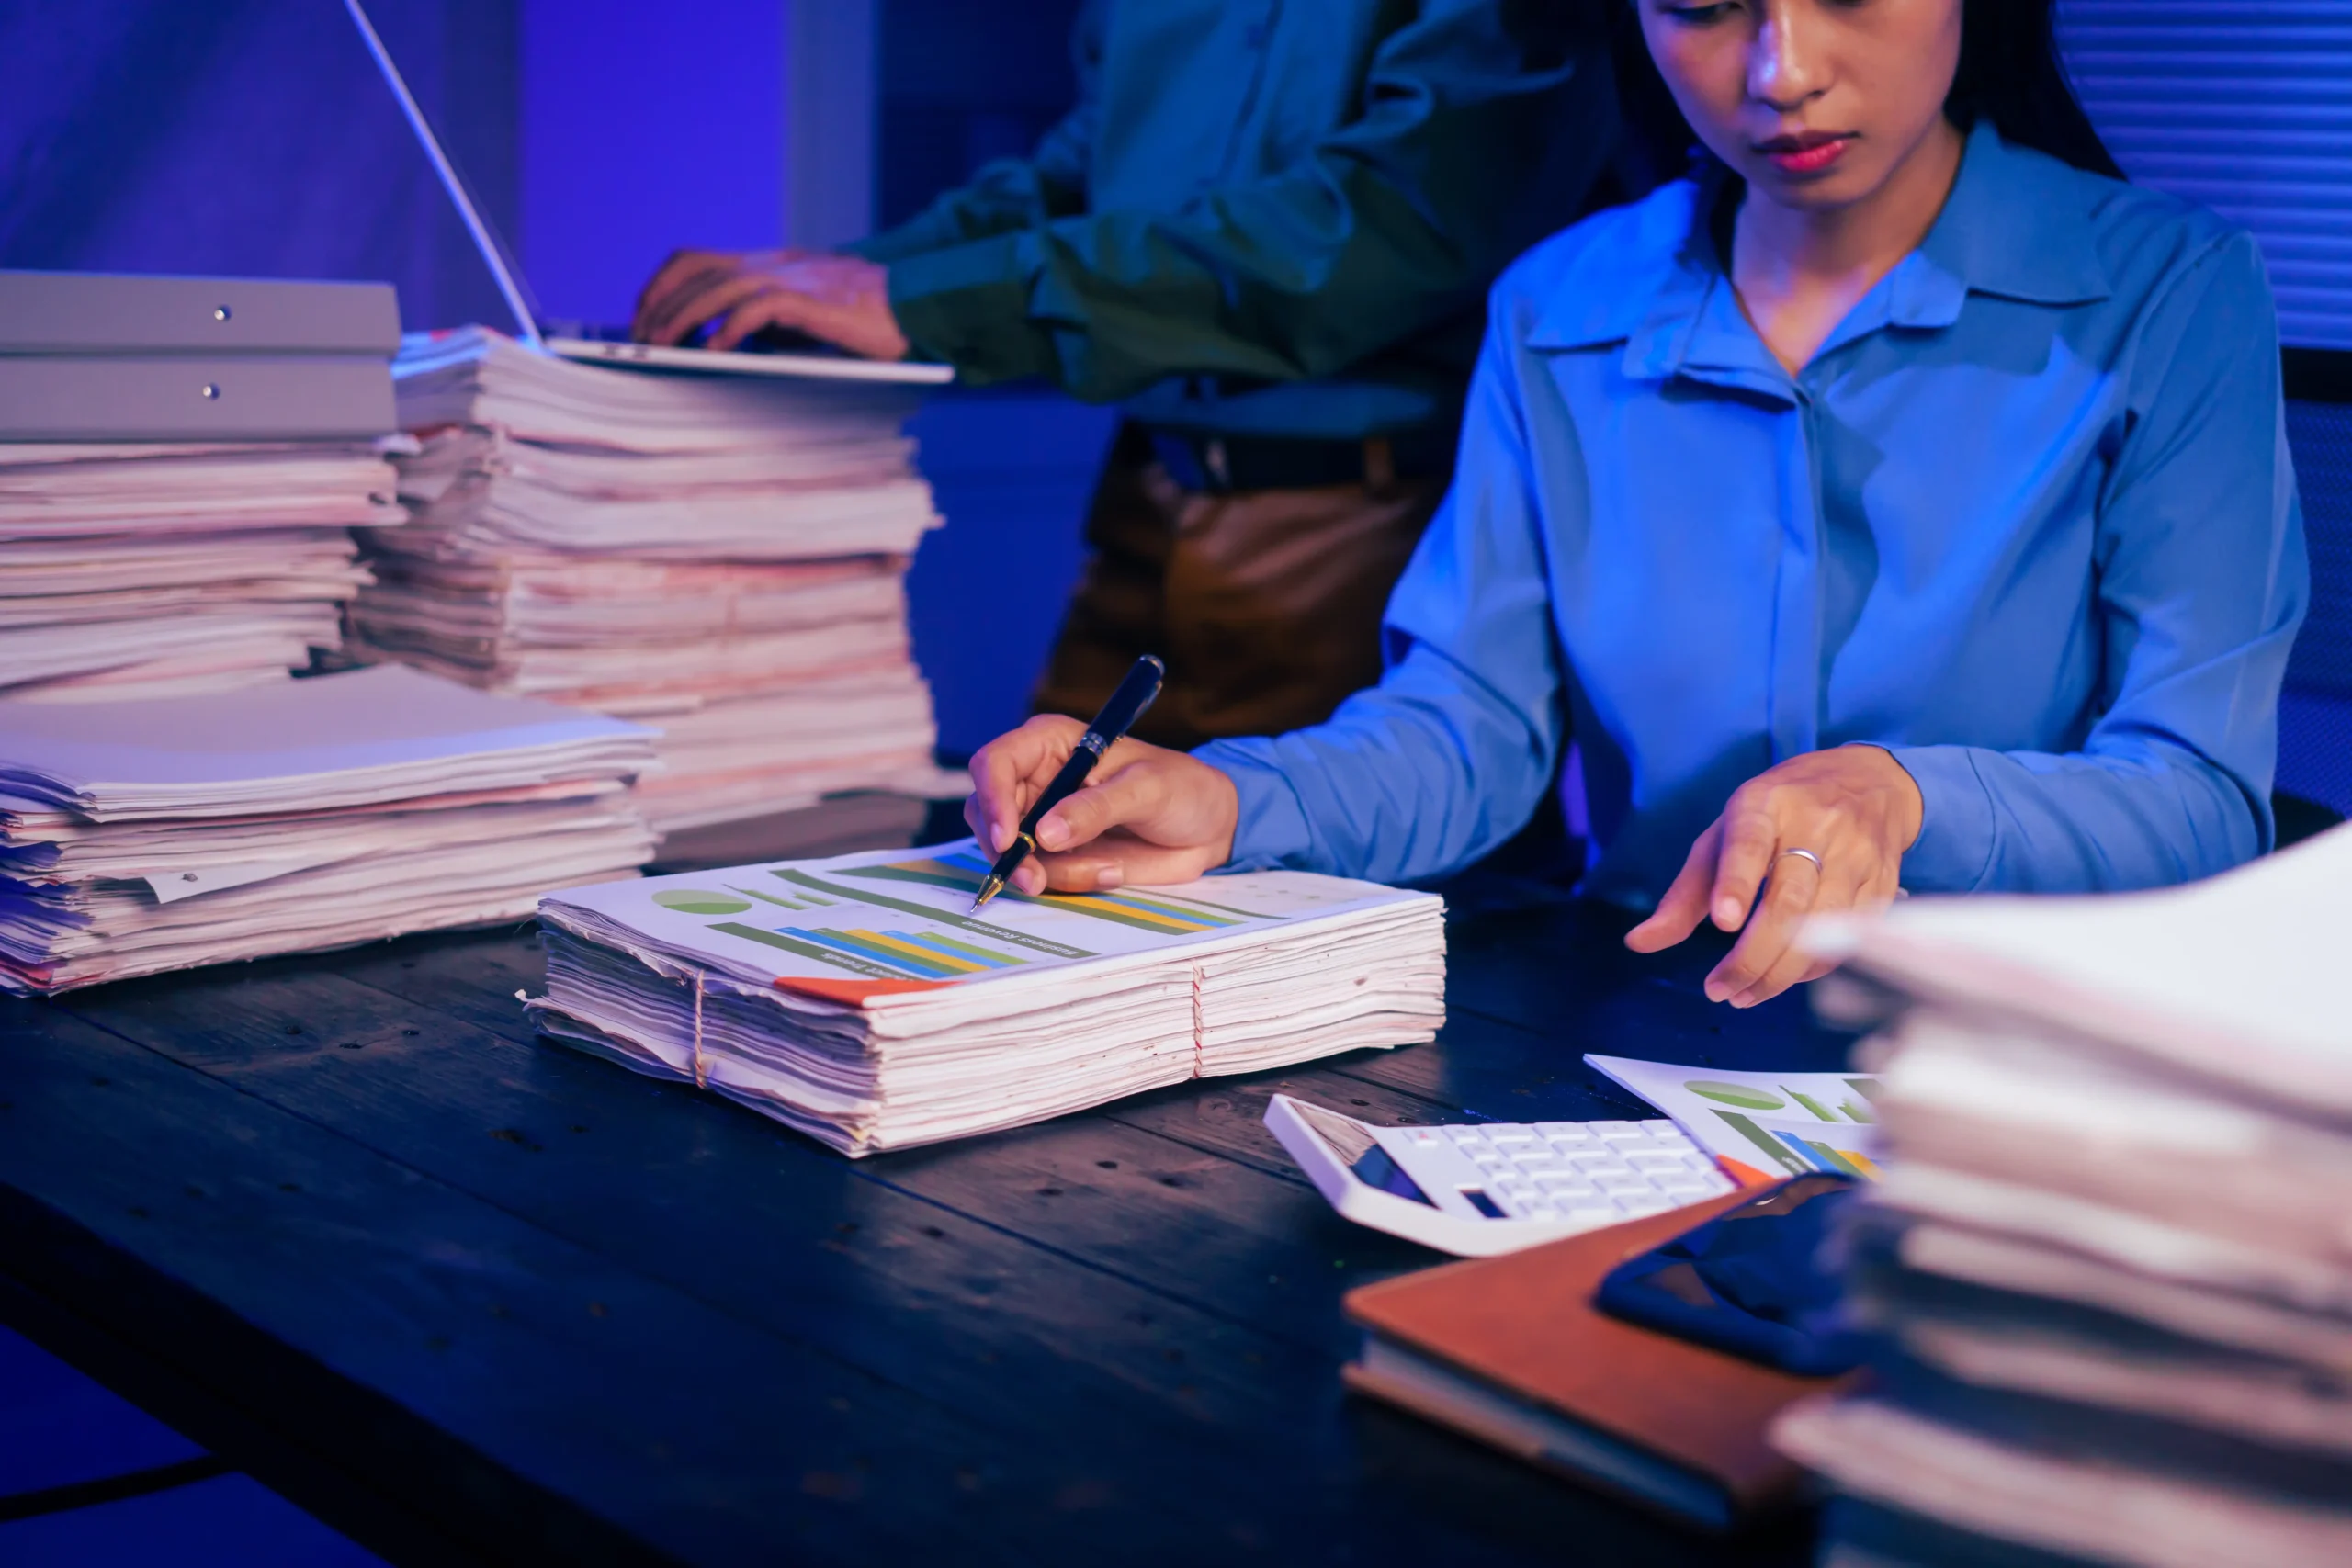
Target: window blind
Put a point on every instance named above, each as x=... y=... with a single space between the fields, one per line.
x=2243 y=107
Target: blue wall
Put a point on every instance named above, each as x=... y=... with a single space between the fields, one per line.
x=251 y=137
x=636 y=139
x=1013 y=469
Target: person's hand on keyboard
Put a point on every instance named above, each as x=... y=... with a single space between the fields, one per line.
x=843 y=299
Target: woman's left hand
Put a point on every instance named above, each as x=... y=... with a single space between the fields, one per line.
x=1855 y=807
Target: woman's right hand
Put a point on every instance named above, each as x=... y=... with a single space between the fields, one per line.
x=1148 y=815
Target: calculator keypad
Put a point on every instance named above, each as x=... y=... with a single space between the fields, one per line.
x=1595 y=1172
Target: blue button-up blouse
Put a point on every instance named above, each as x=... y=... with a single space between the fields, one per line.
x=2026 y=520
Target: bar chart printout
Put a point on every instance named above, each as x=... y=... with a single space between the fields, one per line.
x=903 y=917
x=1762 y=1126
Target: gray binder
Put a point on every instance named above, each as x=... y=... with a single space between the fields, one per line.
x=96 y=312
x=200 y=397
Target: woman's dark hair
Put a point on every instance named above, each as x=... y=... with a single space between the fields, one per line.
x=2010 y=73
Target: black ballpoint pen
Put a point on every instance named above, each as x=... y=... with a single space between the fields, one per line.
x=1119 y=714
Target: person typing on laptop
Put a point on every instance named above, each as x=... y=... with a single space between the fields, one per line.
x=1267 y=233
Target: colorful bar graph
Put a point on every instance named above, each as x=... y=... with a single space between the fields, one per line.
x=1809 y=1103
x=868 y=945
x=813 y=886
x=949 y=945
x=1815 y=1155
x=898 y=942
x=970 y=868
x=962 y=874
x=1805 y=1152
x=1162 y=906
x=852 y=961
x=948 y=872
x=1794 y=1164
x=1835 y=1160
x=1127 y=913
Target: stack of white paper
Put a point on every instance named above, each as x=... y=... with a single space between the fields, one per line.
x=720 y=555
x=149 y=569
x=856 y=1001
x=143 y=835
x=2109 y=1258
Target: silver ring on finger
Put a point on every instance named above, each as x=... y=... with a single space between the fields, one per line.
x=1807 y=854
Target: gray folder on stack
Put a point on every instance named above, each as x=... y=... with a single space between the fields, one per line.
x=96 y=356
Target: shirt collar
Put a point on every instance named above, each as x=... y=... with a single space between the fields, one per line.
x=2014 y=226
x=2017 y=225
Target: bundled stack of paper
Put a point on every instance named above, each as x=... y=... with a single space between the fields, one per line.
x=856 y=1001
x=143 y=836
x=2109 y=1262
x=720 y=555
x=181 y=461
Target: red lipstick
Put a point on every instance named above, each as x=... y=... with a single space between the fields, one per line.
x=1805 y=152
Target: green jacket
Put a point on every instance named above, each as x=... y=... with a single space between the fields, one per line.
x=1276 y=216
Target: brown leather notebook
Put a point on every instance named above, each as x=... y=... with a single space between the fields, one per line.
x=1511 y=1351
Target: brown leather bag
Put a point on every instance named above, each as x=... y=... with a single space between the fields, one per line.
x=1265 y=605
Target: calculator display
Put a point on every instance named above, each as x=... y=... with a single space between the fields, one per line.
x=1377 y=1170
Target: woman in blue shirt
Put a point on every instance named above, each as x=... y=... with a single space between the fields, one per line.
x=1905 y=504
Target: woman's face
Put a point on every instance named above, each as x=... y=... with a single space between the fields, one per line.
x=1812 y=102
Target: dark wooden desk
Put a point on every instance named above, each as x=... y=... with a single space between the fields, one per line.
x=470 y=1298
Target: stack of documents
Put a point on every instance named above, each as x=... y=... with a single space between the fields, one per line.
x=2110 y=1260
x=143 y=835
x=722 y=557
x=181 y=463
x=856 y=1001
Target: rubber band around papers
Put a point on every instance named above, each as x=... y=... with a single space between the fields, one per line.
x=702 y=1074
x=1196 y=1022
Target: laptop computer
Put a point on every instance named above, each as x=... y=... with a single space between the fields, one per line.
x=600 y=345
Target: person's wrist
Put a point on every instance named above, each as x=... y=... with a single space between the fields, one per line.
x=1910 y=806
x=1228 y=809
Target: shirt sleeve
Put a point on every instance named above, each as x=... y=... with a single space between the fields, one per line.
x=1012 y=194
x=2201 y=583
x=1380 y=229
x=1450 y=754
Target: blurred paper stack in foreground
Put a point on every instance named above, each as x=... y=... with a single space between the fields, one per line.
x=143 y=835
x=720 y=555
x=181 y=463
x=2111 y=1263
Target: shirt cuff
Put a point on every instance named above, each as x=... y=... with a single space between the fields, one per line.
x=1955 y=844
x=968 y=306
x=1271 y=830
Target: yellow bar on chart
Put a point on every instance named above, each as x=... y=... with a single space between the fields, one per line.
x=946 y=961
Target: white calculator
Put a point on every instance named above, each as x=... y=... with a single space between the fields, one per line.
x=1481 y=1187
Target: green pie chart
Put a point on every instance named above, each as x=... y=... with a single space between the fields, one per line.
x=1737 y=1094
x=695 y=901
